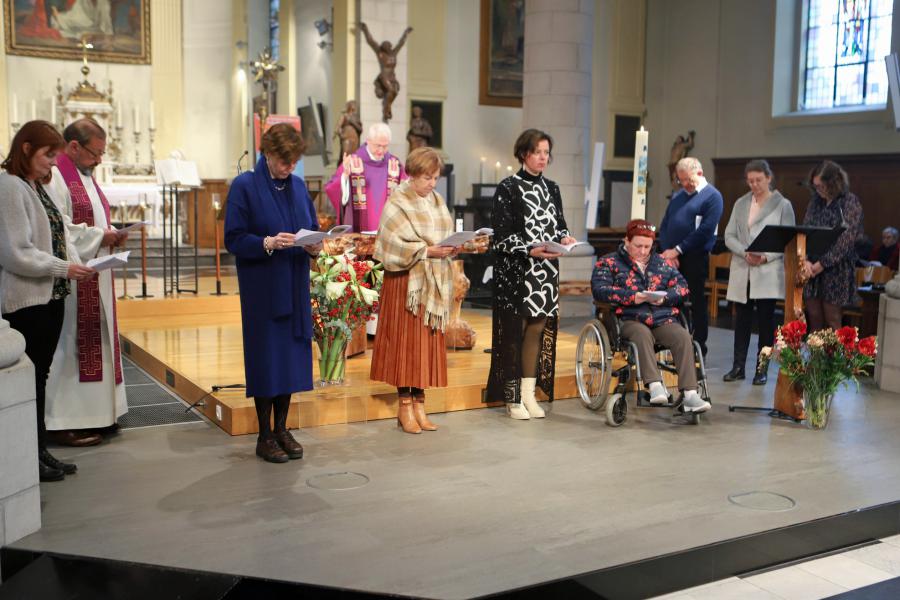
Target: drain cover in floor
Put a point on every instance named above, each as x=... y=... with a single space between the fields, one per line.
x=762 y=501
x=345 y=480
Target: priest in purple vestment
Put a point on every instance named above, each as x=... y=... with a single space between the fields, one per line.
x=365 y=180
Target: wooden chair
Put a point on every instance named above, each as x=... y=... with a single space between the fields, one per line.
x=716 y=286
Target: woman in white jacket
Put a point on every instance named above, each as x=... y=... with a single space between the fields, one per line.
x=755 y=280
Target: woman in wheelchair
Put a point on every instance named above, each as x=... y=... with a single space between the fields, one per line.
x=646 y=293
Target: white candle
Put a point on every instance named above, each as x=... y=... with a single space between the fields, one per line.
x=152 y=121
x=497 y=172
x=53 y=109
x=508 y=170
x=639 y=180
x=481 y=170
x=137 y=118
x=119 y=116
x=15 y=109
x=33 y=110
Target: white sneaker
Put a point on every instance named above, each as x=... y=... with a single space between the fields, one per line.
x=528 y=400
x=658 y=393
x=693 y=403
x=517 y=411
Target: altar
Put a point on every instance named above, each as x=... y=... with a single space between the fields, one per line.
x=132 y=202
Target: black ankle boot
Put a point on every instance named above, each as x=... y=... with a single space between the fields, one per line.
x=53 y=462
x=48 y=473
x=736 y=373
x=761 y=377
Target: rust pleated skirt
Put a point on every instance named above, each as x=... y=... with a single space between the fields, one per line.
x=406 y=352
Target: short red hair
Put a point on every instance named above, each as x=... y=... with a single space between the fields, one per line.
x=640 y=227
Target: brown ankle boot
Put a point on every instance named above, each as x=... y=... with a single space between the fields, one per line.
x=419 y=412
x=405 y=417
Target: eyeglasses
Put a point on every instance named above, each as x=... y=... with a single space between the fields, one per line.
x=96 y=155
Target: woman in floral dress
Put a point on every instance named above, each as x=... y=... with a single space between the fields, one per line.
x=832 y=278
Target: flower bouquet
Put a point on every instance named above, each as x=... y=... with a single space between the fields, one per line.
x=344 y=294
x=819 y=363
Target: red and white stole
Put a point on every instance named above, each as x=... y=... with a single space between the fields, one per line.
x=89 y=330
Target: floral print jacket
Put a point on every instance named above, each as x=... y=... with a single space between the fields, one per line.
x=617 y=278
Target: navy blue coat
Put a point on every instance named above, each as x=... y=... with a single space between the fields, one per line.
x=276 y=313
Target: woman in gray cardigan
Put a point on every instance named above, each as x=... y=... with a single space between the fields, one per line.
x=35 y=263
x=755 y=280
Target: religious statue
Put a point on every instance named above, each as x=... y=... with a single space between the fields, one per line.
x=386 y=85
x=420 y=132
x=348 y=130
x=680 y=149
x=265 y=71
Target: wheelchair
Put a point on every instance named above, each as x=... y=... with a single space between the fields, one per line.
x=603 y=354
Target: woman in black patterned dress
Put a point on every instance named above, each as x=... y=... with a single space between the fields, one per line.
x=527 y=211
x=832 y=283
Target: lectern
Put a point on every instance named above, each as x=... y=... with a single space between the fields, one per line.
x=797 y=242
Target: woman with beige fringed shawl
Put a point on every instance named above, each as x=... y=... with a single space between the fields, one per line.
x=409 y=350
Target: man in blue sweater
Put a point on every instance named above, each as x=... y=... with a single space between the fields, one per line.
x=687 y=235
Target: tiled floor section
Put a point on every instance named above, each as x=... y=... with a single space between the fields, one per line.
x=817 y=578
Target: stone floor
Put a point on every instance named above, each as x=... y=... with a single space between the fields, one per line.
x=482 y=505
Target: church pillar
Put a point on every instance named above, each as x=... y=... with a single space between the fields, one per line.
x=167 y=73
x=387 y=20
x=557 y=99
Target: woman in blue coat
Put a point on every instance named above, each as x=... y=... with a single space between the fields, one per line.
x=265 y=208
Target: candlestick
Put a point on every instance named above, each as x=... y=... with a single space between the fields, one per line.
x=151 y=131
x=143 y=207
x=119 y=117
x=137 y=147
x=152 y=121
x=217 y=207
x=137 y=119
x=53 y=109
x=15 y=109
x=481 y=170
x=497 y=172
x=639 y=178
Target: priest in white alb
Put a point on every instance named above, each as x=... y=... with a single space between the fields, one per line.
x=85 y=389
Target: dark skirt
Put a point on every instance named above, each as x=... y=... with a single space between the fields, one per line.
x=407 y=352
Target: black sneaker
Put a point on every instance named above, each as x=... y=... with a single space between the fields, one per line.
x=760 y=379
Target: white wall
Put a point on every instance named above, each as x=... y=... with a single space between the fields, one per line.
x=207 y=88
x=470 y=130
x=313 y=72
x=709 y=68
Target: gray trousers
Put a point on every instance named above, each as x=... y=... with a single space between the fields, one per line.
x=674 y=337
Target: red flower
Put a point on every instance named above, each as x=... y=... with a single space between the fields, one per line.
x=847 y=337
x=868 y=346
x=793 y=333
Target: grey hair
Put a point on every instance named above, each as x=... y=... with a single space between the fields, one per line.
x=689 y=164
x=892 y=231
x=83 y=131
x=377 y=130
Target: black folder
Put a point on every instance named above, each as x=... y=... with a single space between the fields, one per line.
x=774 y=238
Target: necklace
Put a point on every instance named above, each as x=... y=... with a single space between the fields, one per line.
x=277 y=188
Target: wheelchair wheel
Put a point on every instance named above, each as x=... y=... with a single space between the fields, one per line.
x=593 y=365
x=616 y=410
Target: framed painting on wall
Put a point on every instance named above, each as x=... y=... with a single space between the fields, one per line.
x=502 y=52
x=119 y=30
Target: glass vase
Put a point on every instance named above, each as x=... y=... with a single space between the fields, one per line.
x=332 y=359
x=817 y=408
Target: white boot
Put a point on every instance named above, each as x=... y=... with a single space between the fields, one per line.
x=528 y=400
x=517 y=411
x=658 y=393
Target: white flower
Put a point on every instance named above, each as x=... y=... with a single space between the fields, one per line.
x=815 y=341
x=334 y=289
x=766 y=352
x=368 y=296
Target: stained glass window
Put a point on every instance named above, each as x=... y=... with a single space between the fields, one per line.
x=274 y=29
x=846 y=42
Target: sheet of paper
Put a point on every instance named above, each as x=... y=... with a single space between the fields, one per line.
x=461 y=237
x=134 y=226
x=305 y=237
x=102 y=263
x=655 y=295
x=574 y=249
